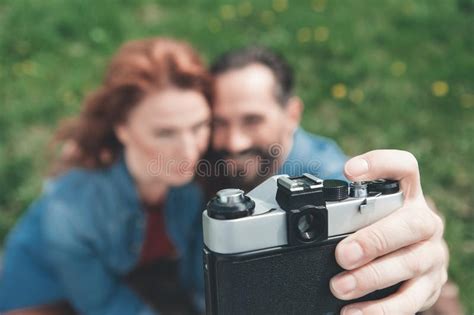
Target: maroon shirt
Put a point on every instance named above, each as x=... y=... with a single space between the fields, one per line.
x=157 y=244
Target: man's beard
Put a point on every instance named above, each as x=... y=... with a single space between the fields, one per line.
x=238 y=175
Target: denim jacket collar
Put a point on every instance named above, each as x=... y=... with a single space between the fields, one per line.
x=125 y=183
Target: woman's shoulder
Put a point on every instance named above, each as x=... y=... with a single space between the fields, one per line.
x=77 y=205
x=82 y=185
x=70 y=196
x=75 y=180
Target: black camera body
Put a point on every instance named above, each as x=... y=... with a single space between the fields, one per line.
x=272 y=251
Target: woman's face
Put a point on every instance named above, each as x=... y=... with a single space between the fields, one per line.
x=165 y=135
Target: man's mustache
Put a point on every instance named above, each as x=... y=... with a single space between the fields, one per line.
x=227 y=155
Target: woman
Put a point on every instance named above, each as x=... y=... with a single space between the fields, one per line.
x=118 y=204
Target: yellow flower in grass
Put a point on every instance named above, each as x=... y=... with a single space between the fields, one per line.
x=30 y=68
x=27 y=67
x=304 y=35
x=227 y=12
x=319 y=5
x=356 y=96
x=68 y=98
x=408 y=8
x=245 y=8
x=267 y=17
x=321 y=34
x=214 y=25
x=439 y=88
x=280 y=5
x=339 y=91
x=398 y=68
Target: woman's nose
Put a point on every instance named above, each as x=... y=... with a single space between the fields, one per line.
x=189 y=148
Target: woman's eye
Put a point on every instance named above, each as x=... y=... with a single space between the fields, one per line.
x=164 y=133
x=201 y=127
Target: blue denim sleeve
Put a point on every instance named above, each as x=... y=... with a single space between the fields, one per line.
x=91 y=288
x=71 y=243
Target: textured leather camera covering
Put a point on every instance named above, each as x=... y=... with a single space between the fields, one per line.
x=283 y=281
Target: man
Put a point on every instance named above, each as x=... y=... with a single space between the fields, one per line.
x=256 y=131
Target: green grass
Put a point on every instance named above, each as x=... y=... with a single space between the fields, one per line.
x=373 y=74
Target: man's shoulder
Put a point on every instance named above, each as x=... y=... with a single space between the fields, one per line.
x=315 y=143
x=315 y=154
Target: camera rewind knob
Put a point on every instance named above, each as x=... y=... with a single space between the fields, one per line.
x=230 y=195
x=230 y=204
x=335 y=190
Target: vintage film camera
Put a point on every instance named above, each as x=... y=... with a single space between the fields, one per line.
x=272 y=251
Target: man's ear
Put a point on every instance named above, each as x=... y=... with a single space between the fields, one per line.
x=294 y=110
x=121 y=132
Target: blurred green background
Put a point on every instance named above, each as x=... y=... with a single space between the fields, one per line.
x=373 y=74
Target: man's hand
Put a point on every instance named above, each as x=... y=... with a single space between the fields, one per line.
x=407 y=245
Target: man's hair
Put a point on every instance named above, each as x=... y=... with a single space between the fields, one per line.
x=240 y=58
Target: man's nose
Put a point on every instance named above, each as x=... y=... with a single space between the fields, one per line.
x=238 y=141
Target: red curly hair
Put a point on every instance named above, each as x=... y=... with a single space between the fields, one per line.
x=137 y=69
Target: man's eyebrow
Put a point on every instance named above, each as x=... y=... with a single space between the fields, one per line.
x=254 y=115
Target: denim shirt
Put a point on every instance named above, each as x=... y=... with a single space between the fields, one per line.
x=85 y=233
x=316 y=155
x=87 y=229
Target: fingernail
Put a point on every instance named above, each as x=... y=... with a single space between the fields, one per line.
x=356 y=167
x=351 y=253
x=344 y=284
x=351 y=311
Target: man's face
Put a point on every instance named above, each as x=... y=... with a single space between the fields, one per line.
x=252 y=131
